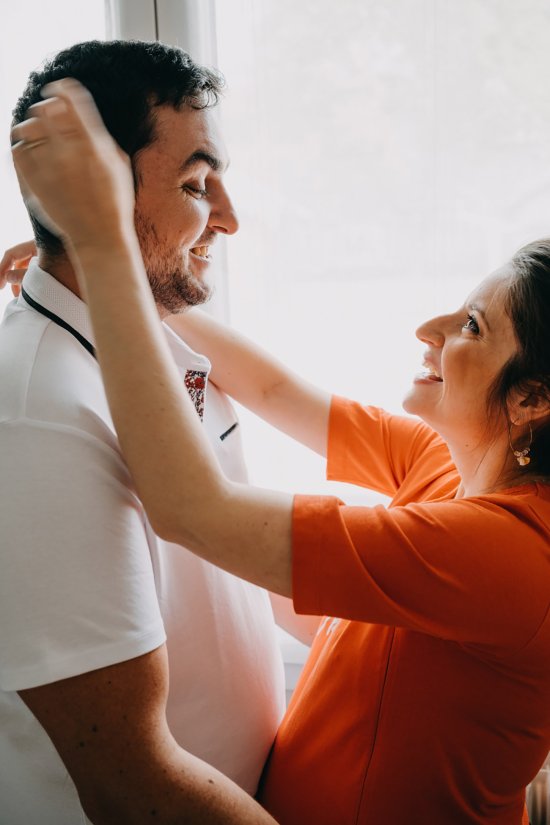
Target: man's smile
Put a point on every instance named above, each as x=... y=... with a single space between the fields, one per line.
x=201 y=252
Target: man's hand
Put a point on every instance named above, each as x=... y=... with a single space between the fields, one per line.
x=73 y=175
x=14 y=265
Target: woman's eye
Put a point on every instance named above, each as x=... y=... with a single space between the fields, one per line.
x=195 y=191
x=471 y=325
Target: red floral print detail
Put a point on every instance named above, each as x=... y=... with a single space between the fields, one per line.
x=195 y=381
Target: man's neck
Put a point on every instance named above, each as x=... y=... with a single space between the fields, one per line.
x=59 y=267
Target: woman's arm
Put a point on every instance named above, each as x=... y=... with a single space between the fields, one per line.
x=80 y=184
x=177 y=476
x=302 y=627
x=257 y=380
x=14 y=264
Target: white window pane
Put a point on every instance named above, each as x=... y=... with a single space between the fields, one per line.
x=32 y=31
x=386 y=155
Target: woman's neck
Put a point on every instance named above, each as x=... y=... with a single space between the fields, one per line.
x=487 y=469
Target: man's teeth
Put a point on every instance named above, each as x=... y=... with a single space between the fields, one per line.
x=200 y=251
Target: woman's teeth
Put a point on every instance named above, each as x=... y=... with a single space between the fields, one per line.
x=430 y=372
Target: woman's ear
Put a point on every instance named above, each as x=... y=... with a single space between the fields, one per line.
x=530 y=404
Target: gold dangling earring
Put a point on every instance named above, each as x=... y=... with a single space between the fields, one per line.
x=522 y=456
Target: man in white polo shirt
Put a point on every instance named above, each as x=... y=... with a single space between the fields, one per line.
x=124 y=660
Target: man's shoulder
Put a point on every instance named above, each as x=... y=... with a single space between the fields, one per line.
x=47 y=377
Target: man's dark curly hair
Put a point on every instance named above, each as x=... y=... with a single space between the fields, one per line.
x=127 y=79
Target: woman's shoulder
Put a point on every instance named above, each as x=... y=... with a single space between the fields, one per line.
x=379 y=449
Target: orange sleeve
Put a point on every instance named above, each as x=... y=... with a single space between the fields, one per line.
x=470 y=570
x=375 y=449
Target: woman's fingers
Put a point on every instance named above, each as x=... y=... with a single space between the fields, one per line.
x=30 y=130
x=72 y=173
x=79 y=109
x=15 y=261
x=14 y=276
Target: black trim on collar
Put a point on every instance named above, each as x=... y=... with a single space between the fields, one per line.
x=59 y=321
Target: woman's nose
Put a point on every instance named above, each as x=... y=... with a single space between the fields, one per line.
x=431 y=332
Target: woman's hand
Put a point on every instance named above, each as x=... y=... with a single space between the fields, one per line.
x=14 y=264
x=73 y=175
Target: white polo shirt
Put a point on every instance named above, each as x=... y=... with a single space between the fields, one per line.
x=84 y=582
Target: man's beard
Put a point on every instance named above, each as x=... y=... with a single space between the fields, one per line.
x=173 y=286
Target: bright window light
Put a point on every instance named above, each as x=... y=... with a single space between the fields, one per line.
x=32 y=31
x=386 y=155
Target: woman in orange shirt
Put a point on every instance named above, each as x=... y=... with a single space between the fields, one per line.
x=426 y=697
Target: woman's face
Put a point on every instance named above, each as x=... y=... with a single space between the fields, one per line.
x=465 y=352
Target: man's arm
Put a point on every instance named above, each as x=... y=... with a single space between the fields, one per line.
x=109 y=727
x=257 y=380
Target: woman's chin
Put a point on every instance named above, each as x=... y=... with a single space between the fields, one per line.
x=410 y=403
x=418 y=407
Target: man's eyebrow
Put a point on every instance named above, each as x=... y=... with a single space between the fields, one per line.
x=202 y=157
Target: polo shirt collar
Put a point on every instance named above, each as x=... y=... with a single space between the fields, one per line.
x=184 y=356
x=53 y=296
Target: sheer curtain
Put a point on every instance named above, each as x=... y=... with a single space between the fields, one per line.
x=386 y=155
x=31 y=31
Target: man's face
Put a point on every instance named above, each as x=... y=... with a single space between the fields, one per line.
x=181 y=205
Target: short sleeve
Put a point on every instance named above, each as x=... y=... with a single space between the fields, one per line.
x=470 y=570
x=77 y=590
x=373 y=448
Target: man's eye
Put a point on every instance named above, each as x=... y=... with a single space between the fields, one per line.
x=471 y=325
x=195 y=191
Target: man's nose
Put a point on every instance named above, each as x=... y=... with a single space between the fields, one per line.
x=224 y=218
